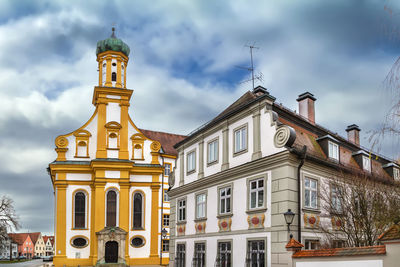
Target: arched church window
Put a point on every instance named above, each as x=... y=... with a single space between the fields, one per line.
x=137 y=211
x=114 y=77
x=80 y=210
x=111 y=208
x=112 y=140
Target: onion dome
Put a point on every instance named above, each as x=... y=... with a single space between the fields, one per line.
x=112 y=44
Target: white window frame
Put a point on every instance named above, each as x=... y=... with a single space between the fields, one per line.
x=191 y=161
x=212 y=151
x=311 y=190
x=224 y=200
x=396 y=173
x=366 y=163
x=336 y=200
x=201 y=205
x=256 y=191
x=166 y=220
x=181 y=210
x=333 y=150
x=167 y=170
x=240 y=137
x=308 y=243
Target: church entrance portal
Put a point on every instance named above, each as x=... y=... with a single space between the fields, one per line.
x=111 y=252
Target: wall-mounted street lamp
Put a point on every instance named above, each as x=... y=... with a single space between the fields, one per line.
x=164 y=233
x=289 y=216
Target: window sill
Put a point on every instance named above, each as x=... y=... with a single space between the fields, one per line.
x=312 y=210
x=257 y=210
x=77 y=229
x=235 y=154
x=180 y=222
x=82 y=157
x=212 y=163
x=138 y=229
x=200 y=219
x=191 y=172
x=137 y=159
x=225 y=215
x=112 y=148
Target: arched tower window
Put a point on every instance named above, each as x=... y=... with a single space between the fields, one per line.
x=114 y=77
x=79 y=210
x=111 y=208
x=138 y=211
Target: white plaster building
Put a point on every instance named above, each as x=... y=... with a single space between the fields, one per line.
x=5 y=250
x=236 y=176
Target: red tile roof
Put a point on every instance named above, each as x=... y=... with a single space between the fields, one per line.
x=167 y=140
x=19 y=238
x=337 y=252
x=294 y=244
x=393 y=233
x=34 y=237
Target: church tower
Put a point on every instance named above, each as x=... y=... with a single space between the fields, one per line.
x=110 y=178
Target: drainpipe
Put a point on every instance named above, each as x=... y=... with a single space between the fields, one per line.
x=302 y=156
x=162 y=209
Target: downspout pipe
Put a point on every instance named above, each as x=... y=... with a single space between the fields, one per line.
x=302 y=157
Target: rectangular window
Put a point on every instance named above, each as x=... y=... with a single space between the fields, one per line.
x=166 y=219
x=166 y=197
x=180 y=255
x=311 y=244
x=255 y=253
x=201 y=202
x=338 y=244
x=167 y=169
x=310 y=193
x=336 y=197
x=224 y=257
x=191 y=161
x=366 y=163
x=256 y=194
x=333 y=150
x=199 y=257
x=225 y=200
x=396 y=174
x=240 y=143
x=212 y=155
x=182 y=210
x=165 y=245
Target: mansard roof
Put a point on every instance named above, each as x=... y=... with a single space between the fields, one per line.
x=167 y=140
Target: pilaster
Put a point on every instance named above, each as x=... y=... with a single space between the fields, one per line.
x=155 y=192
x=118 y=83
x=225 y=148
x=123 y=151
x=256 y=135
x=201 y=159
x=108 y=72
x=61 y=223
x=101 y=131
x=181 y=168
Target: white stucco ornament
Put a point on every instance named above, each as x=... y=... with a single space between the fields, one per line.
x=284 y=136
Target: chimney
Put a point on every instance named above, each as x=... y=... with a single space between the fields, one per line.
x=306 y=106
x=353 y=134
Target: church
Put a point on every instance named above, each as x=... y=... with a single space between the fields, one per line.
x=110 y=178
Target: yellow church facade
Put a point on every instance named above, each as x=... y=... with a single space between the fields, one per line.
x=110 y=178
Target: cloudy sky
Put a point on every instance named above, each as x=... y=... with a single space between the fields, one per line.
x=183 y=63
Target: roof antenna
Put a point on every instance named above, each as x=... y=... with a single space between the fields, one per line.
x=259 y=76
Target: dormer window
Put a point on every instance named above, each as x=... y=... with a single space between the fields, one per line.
x=333 y=150
x=396 y=173
x=366 y=163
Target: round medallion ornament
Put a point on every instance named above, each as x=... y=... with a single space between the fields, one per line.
x=284 y=136
x=255 y=220
x=338 y=223
x=199 y=227
x=312 y=220
x=180 y=229
x=155 y=146
x=224 y=224
x=61 y=142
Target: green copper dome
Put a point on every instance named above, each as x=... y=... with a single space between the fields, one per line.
x=112 y=44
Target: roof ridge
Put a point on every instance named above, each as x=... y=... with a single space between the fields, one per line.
x=162 y=132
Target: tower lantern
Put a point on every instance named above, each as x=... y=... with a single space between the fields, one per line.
x=112 y=56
